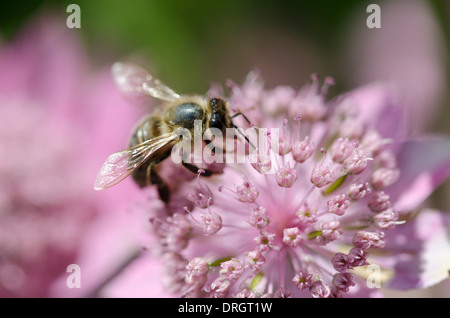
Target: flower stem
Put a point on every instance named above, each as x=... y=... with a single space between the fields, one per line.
x=131 y=257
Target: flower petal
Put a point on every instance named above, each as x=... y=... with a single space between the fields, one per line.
x=424 y=165
x=378 y=107
x=422 y=249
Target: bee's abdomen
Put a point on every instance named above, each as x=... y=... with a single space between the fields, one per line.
x=185 y=114
x=147 y=129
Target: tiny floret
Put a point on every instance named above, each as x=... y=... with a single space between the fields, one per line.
x=246 y=192
x=292 y=236
x=286 y=176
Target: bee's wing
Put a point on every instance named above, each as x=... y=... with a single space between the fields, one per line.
x=121 y=164
x=132 y=78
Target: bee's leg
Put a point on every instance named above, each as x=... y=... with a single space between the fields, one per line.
x=141 y=175
x=155 y=178
x=163 y=188
x=195 y=169
x=146 y=175
x=210 y=146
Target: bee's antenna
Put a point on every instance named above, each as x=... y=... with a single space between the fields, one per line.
x=242 y=134
x=239 y=131
x=245 y=117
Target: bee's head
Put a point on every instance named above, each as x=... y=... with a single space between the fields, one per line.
x=220 y=116
x=221 y=119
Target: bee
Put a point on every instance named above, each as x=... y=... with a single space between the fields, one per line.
x=156 y=134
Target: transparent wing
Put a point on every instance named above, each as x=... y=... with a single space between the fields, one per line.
x=132 y=78
x=121 y=164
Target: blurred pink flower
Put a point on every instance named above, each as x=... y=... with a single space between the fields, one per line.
x=58 y=121
x=345 y=180
x=408 y=50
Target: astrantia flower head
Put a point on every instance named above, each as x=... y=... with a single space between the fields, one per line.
x=296 y=221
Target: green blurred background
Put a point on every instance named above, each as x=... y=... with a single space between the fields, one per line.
x=194 y=43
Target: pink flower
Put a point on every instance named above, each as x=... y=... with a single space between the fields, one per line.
x=57 y=124
x=309 y=228
x=415 y=64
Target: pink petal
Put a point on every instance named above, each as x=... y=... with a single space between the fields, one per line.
x=422 y=251
x=378 y=106
x=424 y=164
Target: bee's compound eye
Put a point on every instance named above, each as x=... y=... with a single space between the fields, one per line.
x=185 y=114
